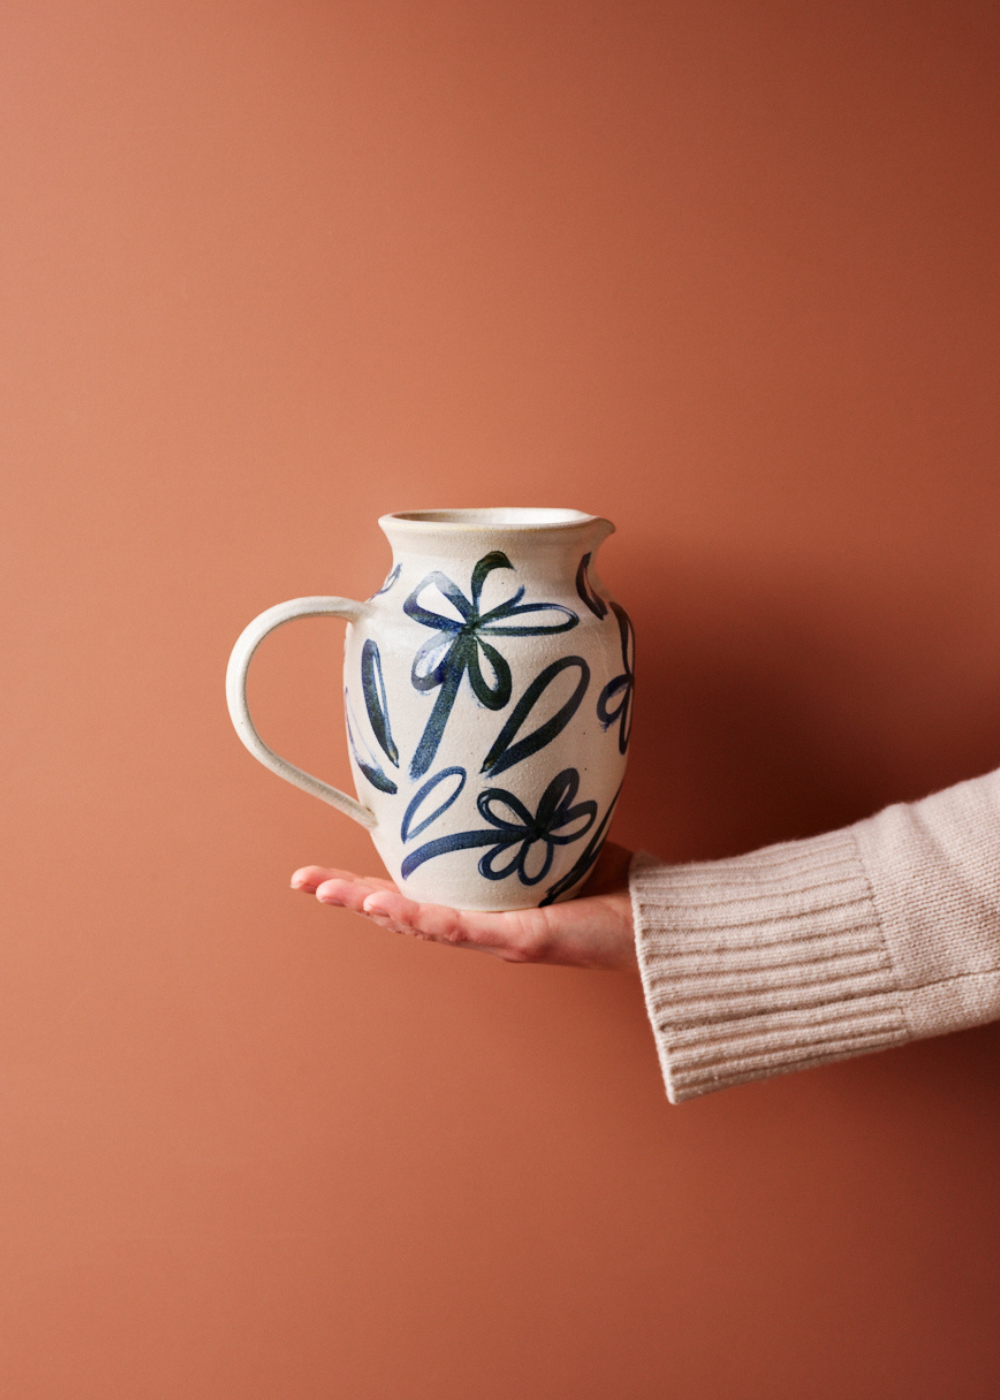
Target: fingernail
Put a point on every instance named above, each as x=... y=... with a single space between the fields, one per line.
x=330 y=899
x=373 y=905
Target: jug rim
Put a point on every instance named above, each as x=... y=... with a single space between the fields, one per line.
x=491 y=519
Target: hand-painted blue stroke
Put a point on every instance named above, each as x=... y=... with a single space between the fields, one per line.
x=391 y=578
x=596 y=604
x=621 y=687
x=363 y=755
x=459 y=647
x=504 y=754
x=407 y=831
x=373 y=689
x=588 y=857
x=525 y=843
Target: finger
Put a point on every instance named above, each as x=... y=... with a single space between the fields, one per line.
x=310 y=877
x=349 y=893
x=411 y=925
x=515 y=935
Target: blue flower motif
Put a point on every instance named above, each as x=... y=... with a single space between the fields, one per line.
x=459 y=646
x=521 y=842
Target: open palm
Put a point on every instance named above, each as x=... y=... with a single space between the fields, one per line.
x=594 y=930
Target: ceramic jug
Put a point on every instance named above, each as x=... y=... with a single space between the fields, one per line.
x=488 y=696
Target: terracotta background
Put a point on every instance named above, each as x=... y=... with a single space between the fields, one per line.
x=725 y=272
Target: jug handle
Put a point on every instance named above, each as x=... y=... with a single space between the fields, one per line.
x=239 y=711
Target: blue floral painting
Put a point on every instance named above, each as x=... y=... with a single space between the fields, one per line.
x=463 y=644
x=520 y=841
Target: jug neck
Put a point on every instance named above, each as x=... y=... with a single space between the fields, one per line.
x=555 y=540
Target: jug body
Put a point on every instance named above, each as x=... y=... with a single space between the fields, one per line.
x=488 y=690
x=488 y=698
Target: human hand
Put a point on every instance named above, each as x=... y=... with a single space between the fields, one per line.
x=594 y=930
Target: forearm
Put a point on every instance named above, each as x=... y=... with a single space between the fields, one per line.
x=820 y=949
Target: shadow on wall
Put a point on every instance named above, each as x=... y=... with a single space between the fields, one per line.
x=774 y=707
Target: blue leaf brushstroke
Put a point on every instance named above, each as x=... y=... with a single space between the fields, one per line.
x=504 y=754
x=376 y=703
x=407 y=831
x=365 y=760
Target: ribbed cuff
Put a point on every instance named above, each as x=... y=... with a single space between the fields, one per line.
x=768 y=963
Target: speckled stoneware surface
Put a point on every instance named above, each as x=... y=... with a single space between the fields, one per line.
x=488 y=694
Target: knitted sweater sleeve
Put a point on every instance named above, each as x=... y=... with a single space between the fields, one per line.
x=816 y=950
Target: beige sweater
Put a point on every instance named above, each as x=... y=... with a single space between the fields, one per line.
x=815 y=950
